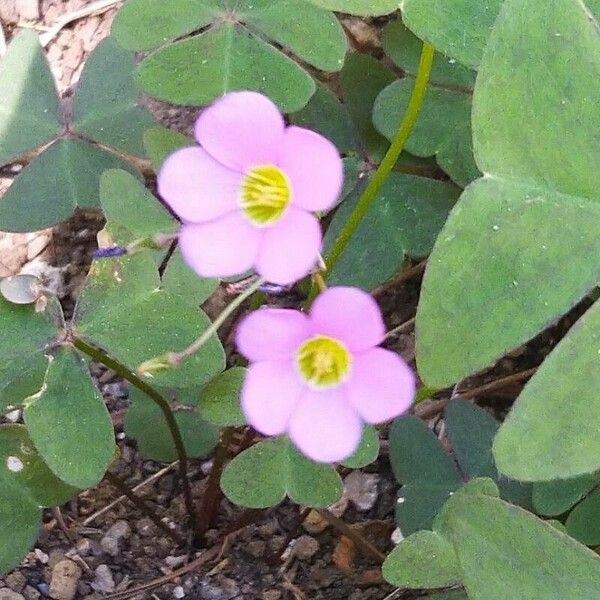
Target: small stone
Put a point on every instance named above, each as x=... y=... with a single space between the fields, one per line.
x=31 y=593
x=55 y=557
x=269 y=529
x=65 y=577
x=16 y=581
x=104 y=581
x=175 y=562
x=8 y=594
x=41 y=556
x=83 y=546
x=314 y=523
x=226 y=589
x=397 y=536
x=271 y=595
x=13 y=416
x=305 y=547
x=145 y=527
x=362 y=489
x=111 y=542
x=178 y=592
x=256 y=548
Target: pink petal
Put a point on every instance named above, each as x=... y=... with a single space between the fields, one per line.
x=382 y=386
x=314 y=167
x=197 y=187
x=325 y=427
x=270 y=393
x=290 y=248
x=241 y=130
x=350 y=315
x=221 y=248
x=271 y=333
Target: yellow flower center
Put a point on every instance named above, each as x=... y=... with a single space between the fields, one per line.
x=266 y=194
x=323 y=362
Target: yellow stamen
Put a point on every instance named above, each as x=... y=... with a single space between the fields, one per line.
x=265 y=195
x=323 y=362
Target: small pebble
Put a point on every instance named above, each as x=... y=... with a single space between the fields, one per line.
x=178 y=592
x=8 y=594
x=65 y=577
x=41 y=556
x=362 y=489
x=104 y=581
x=16 y=581
x=175 y=561
x=305 y=547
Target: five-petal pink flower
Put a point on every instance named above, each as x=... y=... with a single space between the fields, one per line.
x=320 y=376
x=246 y=195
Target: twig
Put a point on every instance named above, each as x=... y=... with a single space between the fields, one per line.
x=204 y=558
x=140 y=503
x=137 y=488
x=176 y=358
x=401 y=328
x=94 y=8
x=57 y=514
x=358 y=539
x=161 y=402
x=402 y=277
x=433 y=409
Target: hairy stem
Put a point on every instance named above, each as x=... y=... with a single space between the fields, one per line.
x=175 y=358
x=387 y=164
x=213 y=495
x=124 y=372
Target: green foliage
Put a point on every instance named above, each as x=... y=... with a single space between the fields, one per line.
x=124 y=310
x=159 y=142
x=234 y=55
x=493 y=549
x=360 y=7
x=20 y=520
x=553 y=498
x=409 y=210
x=557 y=415
x=583 y=522
x=25 y=335
x=105 y=107
x=428 y=473
x=64 y=176
x=507 y=252
x=458 y=29
x=499 y=546
x=264 y=474
x=146 y=424
x=219 y=400
x=131 y=211
x=71 y=405
x=367 y=452
x=29 y=112
x=21 y=465
x=424 y=559
x=443 y=128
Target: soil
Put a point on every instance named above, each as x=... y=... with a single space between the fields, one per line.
x=274 y=557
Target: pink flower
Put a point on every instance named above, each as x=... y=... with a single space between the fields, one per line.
x=247 y=195
x=319 y=377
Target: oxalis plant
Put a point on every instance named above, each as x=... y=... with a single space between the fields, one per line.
x=474 y=142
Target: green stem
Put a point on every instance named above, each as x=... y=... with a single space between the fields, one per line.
x=175 y=358
x=391 y=158
x=121 y=370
